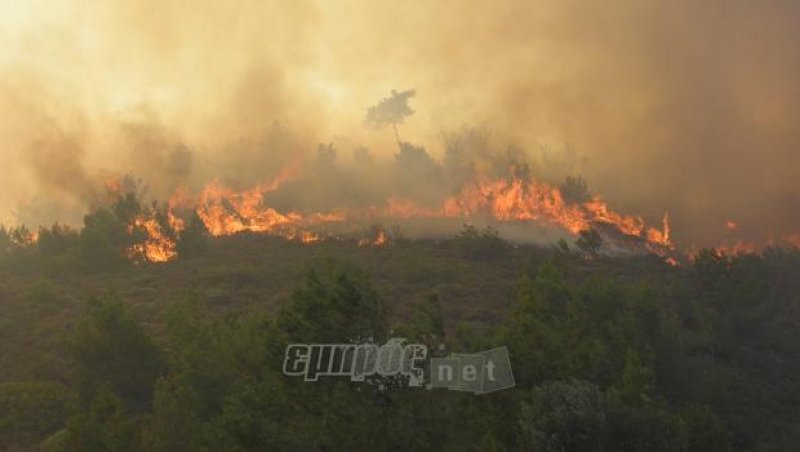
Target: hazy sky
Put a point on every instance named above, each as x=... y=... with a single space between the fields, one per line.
x=688 y=106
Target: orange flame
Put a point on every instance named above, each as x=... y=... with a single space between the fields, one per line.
x=514 y=200
x=157 y=247
x=661 y=237
x=379 y=238
x=225 y=211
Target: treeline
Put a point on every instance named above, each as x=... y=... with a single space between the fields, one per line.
x=707 y=361
x=110 y=239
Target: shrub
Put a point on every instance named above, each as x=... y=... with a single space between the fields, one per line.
x=481 y=244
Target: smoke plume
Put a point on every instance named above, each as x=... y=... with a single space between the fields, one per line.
x=677 y=105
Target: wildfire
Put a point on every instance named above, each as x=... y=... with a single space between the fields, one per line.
x=511 y=200
x=742 y=246
x=25 y=238
x=661 y=237
x=225 y=211
x=157 y=247
x=309 y=237
x=379 y=238
x=515 y=200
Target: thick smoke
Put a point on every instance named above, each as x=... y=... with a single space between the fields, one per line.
x=676 y=105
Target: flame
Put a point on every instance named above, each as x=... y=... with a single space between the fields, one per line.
x=26 y=238
x=515 y=200
x=404 y=209
x=157 y=247
x=309 y=237
x=661 y=237
x=379 y=238
x=176 y=223
x=506 y=200
x=742 y=246
x=225 y=211
x=738 y=248
x=113 y=186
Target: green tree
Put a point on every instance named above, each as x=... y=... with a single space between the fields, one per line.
x=110 y=347
x=103 y=241
x=565 y=416
x=104 y=427
x=31 y=410
x=334 y=304
x=590 y=242
x=481 y=244
x=426 y=322
x=579 y=416
x=56 y=240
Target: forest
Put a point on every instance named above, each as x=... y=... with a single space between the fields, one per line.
x=603 y=193
x=100 y=352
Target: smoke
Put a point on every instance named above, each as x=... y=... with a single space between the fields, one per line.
x=661 y=105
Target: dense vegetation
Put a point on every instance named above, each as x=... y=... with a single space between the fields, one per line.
x=609 y=354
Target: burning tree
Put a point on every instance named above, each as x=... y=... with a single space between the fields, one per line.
x=390 y=110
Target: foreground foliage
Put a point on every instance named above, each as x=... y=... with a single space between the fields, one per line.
x=608 y=355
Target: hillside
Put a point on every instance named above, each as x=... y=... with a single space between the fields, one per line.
x=704 y=354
